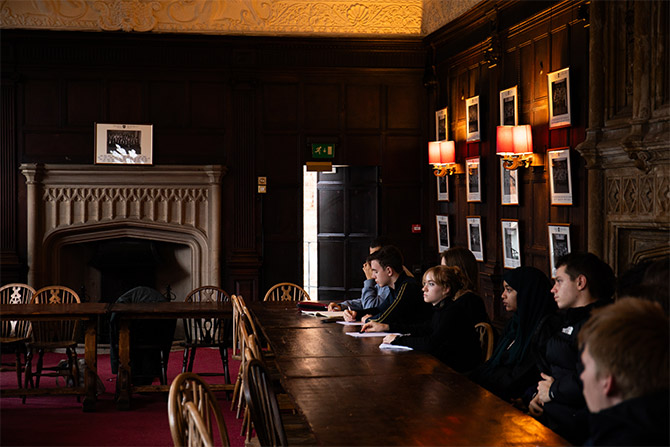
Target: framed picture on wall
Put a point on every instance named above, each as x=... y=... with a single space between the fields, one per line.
x=560 y=176
x=442 y=188
x=126 y=144
x=509 y=107
x=509 y=185
x=441 y=132
x=559 y=243
x=474 y=187
x=475 y=241
x=559 y=98
x=510 y=243
x=473 y=123
x=442 y=232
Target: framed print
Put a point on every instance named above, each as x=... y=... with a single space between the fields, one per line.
x=441 y=132
x=473 y=123
x=559 y=98
x=474 y=192
x=475 y=241
x=443 y=188
x=559 y=243
x=128 y=144
x=560 y=177
x=509 y=107
x=509 y=181
x=442 y=233
x=511 y=244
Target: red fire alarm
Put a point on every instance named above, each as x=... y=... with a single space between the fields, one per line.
x=416 y=228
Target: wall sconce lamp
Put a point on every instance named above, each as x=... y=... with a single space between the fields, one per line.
x=442 y=155
x=515 y=145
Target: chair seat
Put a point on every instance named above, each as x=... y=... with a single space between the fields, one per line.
x=53 y=344
x=14 y=339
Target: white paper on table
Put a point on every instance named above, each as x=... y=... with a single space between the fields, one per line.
x=370 y=334
x=350 y=323
x=391 y=347
x=324 y=313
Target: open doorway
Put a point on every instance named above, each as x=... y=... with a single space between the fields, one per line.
x=340 y=210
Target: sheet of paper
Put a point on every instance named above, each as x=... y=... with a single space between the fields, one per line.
x=391 y=347
x=324 y=313
x=370 y=334
x=350 y=323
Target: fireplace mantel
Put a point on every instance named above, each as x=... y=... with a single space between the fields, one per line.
x=71 y=204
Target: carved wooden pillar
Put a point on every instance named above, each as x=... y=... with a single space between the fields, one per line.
x=34 y=174
x=588 y=148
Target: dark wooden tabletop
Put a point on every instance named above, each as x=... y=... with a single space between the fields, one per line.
x=172 y=309
x=58 y=311
x=353 y=393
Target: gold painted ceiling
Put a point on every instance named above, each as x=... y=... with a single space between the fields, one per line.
x=363 y=18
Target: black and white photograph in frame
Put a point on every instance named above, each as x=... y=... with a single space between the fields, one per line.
x=442 y=188
x=560 y=176
x=474 y=184
x=475 y=241
x=559 y=98
x=509 y=107
x=441 y=132
x=511 y=244
x=559 y=244
x=442 y=233
x=129 y=144
x=472 y=115
x=509 y=185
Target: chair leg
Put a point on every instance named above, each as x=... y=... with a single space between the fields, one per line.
x=38 y=370
x=223 y=352
x=164 y=367
x=237 y=390
x=19 y=366
x=191 y=360
x=184 y=364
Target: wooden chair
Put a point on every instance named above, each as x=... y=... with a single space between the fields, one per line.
x=286 y=291
x=16 y=334
x=262 y=403
x=207 y=332
x=485 y=332
x=50 y=335
x=190 y=394
x=237 y=312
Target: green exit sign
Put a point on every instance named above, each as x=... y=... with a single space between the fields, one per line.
x=323 y=150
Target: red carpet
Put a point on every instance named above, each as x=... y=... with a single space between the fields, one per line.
x=60 y=421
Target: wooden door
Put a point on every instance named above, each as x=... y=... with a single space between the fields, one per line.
x=347 y=222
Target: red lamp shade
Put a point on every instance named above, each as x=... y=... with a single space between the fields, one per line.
x=505 y=140
x=514 y=140
x=523 y=139
x=447 y=152
x=434 y=152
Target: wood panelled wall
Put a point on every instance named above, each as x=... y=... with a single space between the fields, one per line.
x=251 y=104
x=499 y=45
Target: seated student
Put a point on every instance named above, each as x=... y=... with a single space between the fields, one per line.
x=625 y=378
x=583 y=282
x=512 y=369
x=372 y=295
x=464 y=259
x=405 y=303
x=448 y=335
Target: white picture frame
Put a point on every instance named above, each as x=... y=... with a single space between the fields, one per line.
x=559 y=98
x=559 y=244
x=126 y=144
x=475 y=239
x=442 y=188
x=443 y=242
x=560 y=176
x=511 y=243
x=441 y=127
x=473 y=179
x=509 y=107
x=473 y=123
x=509 y=185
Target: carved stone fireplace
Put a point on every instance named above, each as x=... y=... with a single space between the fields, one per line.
x=84 y=220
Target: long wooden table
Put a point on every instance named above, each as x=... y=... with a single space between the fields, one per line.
x=88 y=313
x=164 y=310
x=352 y=393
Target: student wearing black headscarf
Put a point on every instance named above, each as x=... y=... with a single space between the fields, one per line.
x=512 y=369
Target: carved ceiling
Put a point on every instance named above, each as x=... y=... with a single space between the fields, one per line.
x=322 y=18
